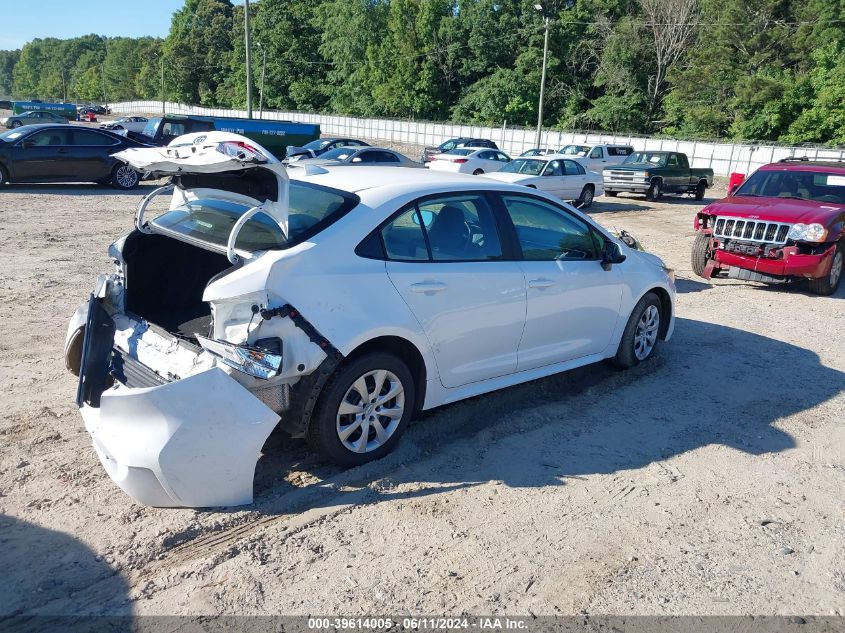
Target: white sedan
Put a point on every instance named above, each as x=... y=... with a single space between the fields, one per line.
x=336 y=303
x=131 y=123
x=561 y=176
x=470 y=160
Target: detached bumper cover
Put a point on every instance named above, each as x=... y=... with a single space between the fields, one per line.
x=191 y=443
x=793 y=264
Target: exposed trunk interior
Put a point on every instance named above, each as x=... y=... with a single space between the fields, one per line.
x=165 y=279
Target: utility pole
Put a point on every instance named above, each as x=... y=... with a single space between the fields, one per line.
x=103 y=73
x=64 y=87
x=248 y=61
x=161 y=57
x=542 y=9
x=263 y=74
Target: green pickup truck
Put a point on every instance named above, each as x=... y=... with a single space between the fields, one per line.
x=656 y=173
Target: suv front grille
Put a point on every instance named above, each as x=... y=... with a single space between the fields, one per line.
x=751 y=230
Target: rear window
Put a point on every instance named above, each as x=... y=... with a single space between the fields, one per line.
x=151 y=128
x=462 y=151
x=312 y=209
x=620 y=151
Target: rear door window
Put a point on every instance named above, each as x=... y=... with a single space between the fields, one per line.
x=89 y=138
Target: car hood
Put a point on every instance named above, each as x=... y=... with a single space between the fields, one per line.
x=510 y=176
x=786 y=210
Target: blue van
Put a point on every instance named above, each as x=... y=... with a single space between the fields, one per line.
x=274 y=135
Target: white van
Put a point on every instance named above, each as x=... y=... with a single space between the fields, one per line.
x=599 y=156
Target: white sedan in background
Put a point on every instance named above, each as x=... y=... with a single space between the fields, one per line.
x=131 y=123
x=470 y=160
x=562 y=176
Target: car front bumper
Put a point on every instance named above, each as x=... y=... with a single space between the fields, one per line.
x=792 y=264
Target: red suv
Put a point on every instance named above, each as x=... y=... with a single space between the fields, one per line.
x=784 y=223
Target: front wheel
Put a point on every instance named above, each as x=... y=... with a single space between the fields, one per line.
x=124 y=177
x=700 y=253
x=655 y=191
x=829 y=284
x=586 y=198
x=363 y=410
x=16 y=124
x=641 y=335
x=4 y=176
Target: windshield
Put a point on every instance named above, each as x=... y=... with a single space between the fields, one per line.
x=341 y=153
x=312 y=208
x=654 y=158
x=11 y=135
x=522 y=166
x=151 y=128
x=320 y=143
x=575 y=150
x=805 y=185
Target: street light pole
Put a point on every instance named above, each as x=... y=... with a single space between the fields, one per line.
x=543 y=74
x=248 y=61
x=263 y=74
x=162 y=86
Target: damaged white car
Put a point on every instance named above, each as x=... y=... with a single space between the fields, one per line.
x=334 y=302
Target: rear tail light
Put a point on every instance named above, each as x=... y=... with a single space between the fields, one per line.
x=460 y=160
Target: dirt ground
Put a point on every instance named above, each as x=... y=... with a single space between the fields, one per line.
x=710 y=480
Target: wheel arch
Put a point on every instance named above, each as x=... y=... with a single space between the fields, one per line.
x=406 y=351
x=665 y=307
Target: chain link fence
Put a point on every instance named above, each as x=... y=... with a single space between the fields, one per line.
x=723 y=158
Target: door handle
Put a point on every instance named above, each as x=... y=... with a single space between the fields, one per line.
x=61 y=150
x=428 y=286
x=540 y=283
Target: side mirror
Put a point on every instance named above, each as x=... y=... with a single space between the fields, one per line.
x=611 y=254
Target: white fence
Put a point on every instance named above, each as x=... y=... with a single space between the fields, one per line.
x=723 y=158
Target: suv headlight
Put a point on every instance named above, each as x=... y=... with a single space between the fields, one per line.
x=807 y=232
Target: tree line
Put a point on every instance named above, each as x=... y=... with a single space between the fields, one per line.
x=733 y=69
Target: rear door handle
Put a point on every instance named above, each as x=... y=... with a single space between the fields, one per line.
x=428 y=286
x=540 y=283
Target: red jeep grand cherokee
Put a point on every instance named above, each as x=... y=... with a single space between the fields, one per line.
x=785 y=223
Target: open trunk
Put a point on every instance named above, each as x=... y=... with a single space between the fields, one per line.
x=165 y=280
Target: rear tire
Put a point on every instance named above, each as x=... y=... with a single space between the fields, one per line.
x=700 y=253
x=478 y=172
x=334 y=433
x=124 y=177
x=16 y=124
x=699 y=190
x=828 y=285
x=586 y=198
x=642 y=333
x=655 y=191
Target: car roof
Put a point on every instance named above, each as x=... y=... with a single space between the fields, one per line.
x=368 y=178
x=829 y=166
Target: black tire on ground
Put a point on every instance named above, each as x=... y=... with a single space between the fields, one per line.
x=655 y=191
x=699 y=190
x=478 y=172
x=611 y=194
x=586 y=197
x=828 y=285
x=4 y=176
x=700 y=254
x=322 y=435
x=626 y=356
x=124 y=177
x=16 y=124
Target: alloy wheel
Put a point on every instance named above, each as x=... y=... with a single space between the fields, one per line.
x=370 y=411
x=126 y=176
x=645 y=336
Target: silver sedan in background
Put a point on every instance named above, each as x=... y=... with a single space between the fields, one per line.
x=379 y=156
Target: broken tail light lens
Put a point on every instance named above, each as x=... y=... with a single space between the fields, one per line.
x=246 y=358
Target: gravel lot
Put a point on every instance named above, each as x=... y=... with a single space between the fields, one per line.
x=708 y=481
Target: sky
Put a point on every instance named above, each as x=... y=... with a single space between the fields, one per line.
x=71 y=18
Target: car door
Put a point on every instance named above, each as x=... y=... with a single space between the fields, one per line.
x=445 y=258
x=673 y=179
x=92 y=151
x=597 y=159
x=575 y=177
x=486 y=161
x=43 y=155
x=552 y=178
x=572 y=303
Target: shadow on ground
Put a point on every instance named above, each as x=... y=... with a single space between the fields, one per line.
x=79 y=189
x=705 y=387
x=40 y=572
